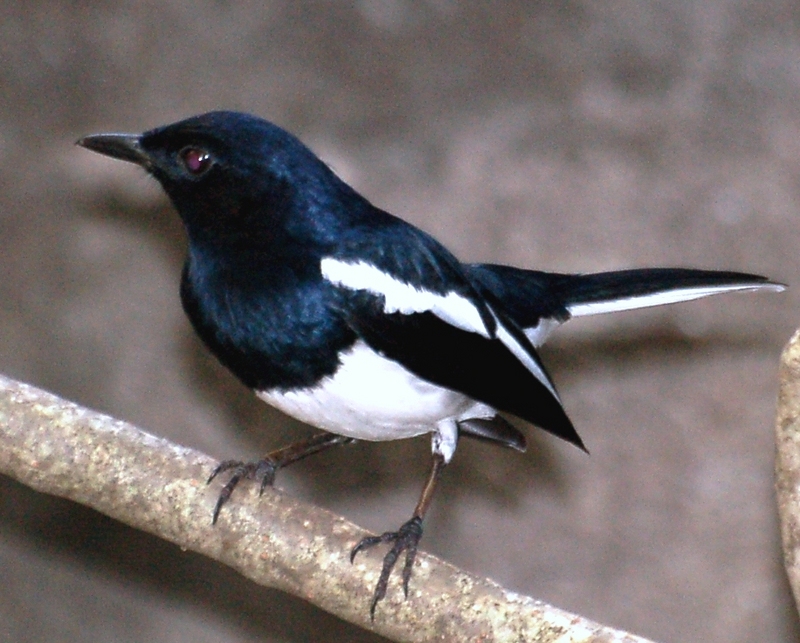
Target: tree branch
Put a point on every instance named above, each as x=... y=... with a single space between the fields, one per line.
x=787 y=460
x=60 y=448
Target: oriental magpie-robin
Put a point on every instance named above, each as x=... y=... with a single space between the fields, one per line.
x=355 y=321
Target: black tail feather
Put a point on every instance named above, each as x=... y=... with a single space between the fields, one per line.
x=528 y=296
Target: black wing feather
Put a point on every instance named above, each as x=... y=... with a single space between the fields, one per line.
x=483 y=369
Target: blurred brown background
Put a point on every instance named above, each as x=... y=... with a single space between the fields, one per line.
x=571 y=136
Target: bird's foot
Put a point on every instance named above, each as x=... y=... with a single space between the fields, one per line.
x=405 y=540
x=262 y=472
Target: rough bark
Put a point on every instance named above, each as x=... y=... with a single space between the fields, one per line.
x=63 y=449
x=787 y=461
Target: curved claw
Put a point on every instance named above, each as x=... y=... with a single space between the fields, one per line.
x=405 y=539
x=262 y=471
x=366 y=543
x=221 y=467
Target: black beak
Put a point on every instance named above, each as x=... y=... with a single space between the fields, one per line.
x=125 y=147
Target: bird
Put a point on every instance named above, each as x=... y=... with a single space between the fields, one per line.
x=358 y=323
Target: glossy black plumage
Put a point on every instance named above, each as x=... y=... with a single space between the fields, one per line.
x=351 y=319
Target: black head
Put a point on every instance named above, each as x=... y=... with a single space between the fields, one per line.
x=234 y=176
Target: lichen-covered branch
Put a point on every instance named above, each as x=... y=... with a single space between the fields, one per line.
x=60 y=448
x=787 y=461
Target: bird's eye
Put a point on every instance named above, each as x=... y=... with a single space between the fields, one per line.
x=195 y=160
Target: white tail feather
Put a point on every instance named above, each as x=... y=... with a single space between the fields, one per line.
x=663 y=297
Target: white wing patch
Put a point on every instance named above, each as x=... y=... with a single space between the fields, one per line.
x=664 y=297
x=404 y=298
x=401 y=297
x=518 y=350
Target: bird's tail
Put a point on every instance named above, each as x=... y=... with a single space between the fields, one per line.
x=540 y=301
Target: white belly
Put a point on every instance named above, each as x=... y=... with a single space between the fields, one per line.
x=371 y=397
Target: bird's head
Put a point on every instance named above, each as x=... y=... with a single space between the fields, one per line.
x=232 y=175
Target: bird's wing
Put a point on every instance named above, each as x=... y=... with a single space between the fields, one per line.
x=540 y=301
x=441 y=330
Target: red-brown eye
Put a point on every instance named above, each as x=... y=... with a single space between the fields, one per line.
x=195 y=160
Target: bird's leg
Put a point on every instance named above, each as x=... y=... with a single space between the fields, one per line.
x=405 y=539
x=264 y=470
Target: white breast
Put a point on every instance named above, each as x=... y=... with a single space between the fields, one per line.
x=371 y=397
